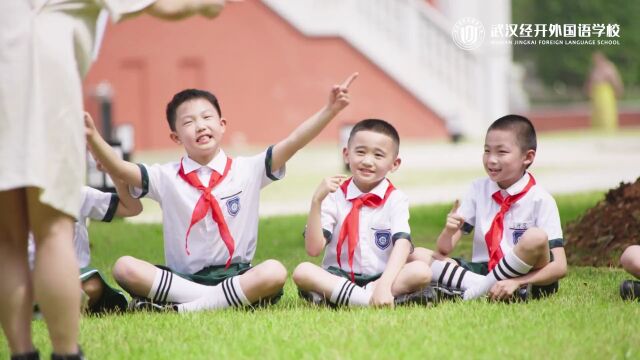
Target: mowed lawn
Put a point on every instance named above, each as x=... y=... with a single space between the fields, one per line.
x=586 y=319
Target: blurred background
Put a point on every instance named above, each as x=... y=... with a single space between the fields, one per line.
x=271 y=63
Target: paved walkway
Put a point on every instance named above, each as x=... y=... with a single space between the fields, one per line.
x=440 y=172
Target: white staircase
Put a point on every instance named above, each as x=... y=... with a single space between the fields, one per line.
x=411 y=42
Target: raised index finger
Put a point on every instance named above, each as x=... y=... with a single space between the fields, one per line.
x=346 y=83
x=456 y=205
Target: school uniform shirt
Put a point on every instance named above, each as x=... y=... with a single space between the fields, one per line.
x=238 y=196
x=535 y=209
x=96 y=205
x=379 y=228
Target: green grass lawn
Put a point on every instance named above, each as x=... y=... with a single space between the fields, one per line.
x=586 y=319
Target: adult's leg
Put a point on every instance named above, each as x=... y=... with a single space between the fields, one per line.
x=55 y=276
x=16 y=297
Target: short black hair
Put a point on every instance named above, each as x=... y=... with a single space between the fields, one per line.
x=521 y=126
x=379 y=126
x=184 y=96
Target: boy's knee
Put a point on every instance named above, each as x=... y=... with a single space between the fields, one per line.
x=421 y=254
x=274 y=273
x=534 y=239
x=301 y=273
x=420 y=272
x=630 y=259
x=124 y=270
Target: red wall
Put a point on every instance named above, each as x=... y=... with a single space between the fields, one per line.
x=267 y=76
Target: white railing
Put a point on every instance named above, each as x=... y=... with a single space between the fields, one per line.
x=408 y=39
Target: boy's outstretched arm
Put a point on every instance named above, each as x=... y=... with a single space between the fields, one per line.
x=285 y=149
x=382 y=295
x=111 y=162
x=127 y=205
x=451 y=233
x=314 y=241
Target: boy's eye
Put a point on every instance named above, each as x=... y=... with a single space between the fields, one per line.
x=188 y=122
x=360 y=152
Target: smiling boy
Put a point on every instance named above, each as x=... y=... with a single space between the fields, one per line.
x=517 y=233
x=210 y=209
x=362 y=223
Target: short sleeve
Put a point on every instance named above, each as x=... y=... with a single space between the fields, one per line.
x=400 y=216
x=119 y=8
x=329 y=216
x=267 y=175
x=548 y=219
x=468 y=208
x=98 y=205
x=151 y=182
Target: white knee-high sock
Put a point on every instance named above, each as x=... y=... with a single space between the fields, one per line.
x=511 y=266
x=169 y=287
x=453 y=276
x=347 y=293
x=226 y=294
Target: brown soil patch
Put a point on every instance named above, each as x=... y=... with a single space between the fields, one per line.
x=604 y=231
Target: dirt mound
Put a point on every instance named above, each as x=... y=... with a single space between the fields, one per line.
x=604 y=231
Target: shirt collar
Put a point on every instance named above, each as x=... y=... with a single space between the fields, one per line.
x=514 y=189
x=218 y=163
x=380 y=189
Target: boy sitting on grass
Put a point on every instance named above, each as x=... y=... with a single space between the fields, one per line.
x=362 y=223
x=517 y=234
x=210 y=209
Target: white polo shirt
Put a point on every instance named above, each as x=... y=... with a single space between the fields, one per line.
x=237 y=195
x=535 y=209
x=379 y=228
x=96 y=205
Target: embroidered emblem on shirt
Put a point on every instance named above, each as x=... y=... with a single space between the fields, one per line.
x=517 y=230
x=383 y=238
x=233 y=205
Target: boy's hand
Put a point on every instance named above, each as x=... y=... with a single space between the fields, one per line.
x=382 y=296
x=328 y=185
x=454 y=221
x=89 y=126
x=339 y=96
x=503 y=289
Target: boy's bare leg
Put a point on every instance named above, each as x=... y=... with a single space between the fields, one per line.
x=16 y=297
x=421 y=254
x=93 y=288
x=630 y=260
x=533 y=248
x=134 y=275
x=311 y=277
x=55 y=275
x=263 y=280
x=339 y=291
x=412 y=277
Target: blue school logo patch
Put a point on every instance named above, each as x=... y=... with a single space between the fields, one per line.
x=233 y=206
x=383 y=239
x=517 y=233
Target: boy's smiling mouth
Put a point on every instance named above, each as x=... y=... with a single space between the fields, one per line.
x=203 y=139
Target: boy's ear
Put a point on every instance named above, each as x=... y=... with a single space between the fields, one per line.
x=345 y=155
x=223 y=124
x=396 y=164
x=529 y=156
x=174 y=137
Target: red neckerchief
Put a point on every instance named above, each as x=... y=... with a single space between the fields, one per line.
x=208 y=201
x=351 y=222
x=494 y=236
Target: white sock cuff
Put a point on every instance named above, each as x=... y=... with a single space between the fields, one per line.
x=161 y=285
x=339 y=295
x=511 y=266
x=233 y=292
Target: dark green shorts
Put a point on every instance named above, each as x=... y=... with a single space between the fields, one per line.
x=112 y=300
x=361 y=280
x=212 y=275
